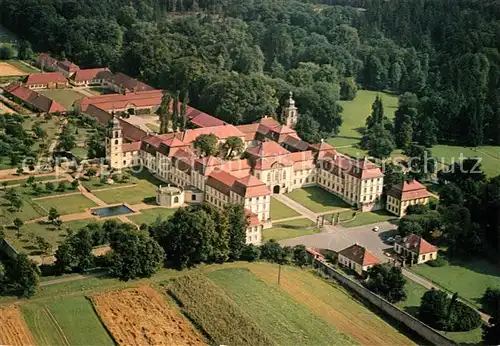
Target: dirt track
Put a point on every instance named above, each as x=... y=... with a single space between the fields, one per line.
x=13 y=329
x=140 y=316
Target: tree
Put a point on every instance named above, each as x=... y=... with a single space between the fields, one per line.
x=18 y=223
x=377 y=114
x=67 y=140
x=490 y=303
x=30 y=180
x=451 y=194
x=233 y=146
x=250 y=253
x=165 y=112
x=53 y=215
x=74 y=184
x=206 y=144
x=24 y=50
x=39 y=131
x=271 y=251
x=43 y=245
x=75 y=253
x=393 y=174
x=420 y=162
x=183 y=114
x=238 y=223
x=433 y=309
x=134 y=254
x=387 y=281
x=61 y=187
x=24 y=276
x=308 y=129
x=49 y=186
x=300 y=257
x=6 y=52
x=378 y=141
x=19 y=170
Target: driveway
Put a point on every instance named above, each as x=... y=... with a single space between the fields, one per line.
x=337 y=238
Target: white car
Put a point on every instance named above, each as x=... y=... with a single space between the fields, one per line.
x=375 y=229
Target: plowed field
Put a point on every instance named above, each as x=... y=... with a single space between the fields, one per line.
x=7 y=69
x=140 y=316
x=13 y=330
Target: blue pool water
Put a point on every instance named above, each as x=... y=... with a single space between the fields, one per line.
x=112 y=211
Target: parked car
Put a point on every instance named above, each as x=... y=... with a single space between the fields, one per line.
x=390 y=240
x=375 y=229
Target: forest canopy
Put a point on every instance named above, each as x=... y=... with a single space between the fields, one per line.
x=239 y=59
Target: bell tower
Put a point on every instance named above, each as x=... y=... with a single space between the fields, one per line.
x=290 y=112
x=114 y=142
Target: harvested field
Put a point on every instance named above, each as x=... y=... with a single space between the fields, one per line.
x=140 y=316
x=13 y=329
x=217 y=314
x=7 y=70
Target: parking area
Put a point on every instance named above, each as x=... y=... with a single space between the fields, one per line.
x=338 y=238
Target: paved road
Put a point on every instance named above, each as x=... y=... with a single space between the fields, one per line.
x=337 y=238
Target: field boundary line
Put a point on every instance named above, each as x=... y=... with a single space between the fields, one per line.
x=96 y=312
x=56 y=324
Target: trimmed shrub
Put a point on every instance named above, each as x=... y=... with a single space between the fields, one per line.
x=439 y=262
x=464 y=318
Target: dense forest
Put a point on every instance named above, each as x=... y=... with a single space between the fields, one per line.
x=238 y=58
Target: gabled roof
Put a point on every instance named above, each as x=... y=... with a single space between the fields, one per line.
x=249 y=130
x=45 y=78
x=221 y=132
x=91 y=74
x=417 y=244
x=108 y=102
x=46 y=60
x=267 y=149
x=321 y=146
x=359 y=255
x=203 y=119
x=34 y=99
x=295 y=142
x=130 y=132
x=132 y=146
x=129 y=83
x=407 y=190
x=250 y=186
x=67 y=65
x=253 y=219
x=221 y=181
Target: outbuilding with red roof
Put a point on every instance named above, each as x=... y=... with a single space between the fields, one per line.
x=33 y=100
x=404 y=194
x=91 y=76
x=357 y=258
x=49 y=80
x=417 y=248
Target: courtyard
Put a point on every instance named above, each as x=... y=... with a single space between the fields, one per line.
x=317 y=200
x=65 y=97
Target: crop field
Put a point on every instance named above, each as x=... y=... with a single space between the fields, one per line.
x=205 y=303
x=287 y=321
x=334 y=305
x=68 y=321
x=7 y=70
x=140 y=316
x=13 y=329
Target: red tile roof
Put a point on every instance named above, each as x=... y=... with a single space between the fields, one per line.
x=359 y=255
x=45 y=78
x=203 y=119
x=249 y=130
x=91 y=74
x=253 y=219
x=221 y=132
x=128 y=83
x=132 y=146
x=268 y=149
x=269 y=162
x=250 y=186
x=31 y=97
x=417 y=244
x=295 y=142
x=67 y=65
x=130 y=132
x=221 y=181
x=408 y=190
x=109 y=102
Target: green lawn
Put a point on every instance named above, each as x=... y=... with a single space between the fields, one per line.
x=290 y=229
x=490 y=156
x=131 y=195
x=316 y=199
x=368 y=218
x=149 y=216
x=30 y=210
x=23 y=180
x=470 y=279
x=26 y=242
x=72 y=319
x=94 y=183
x=355 y=114
x=278 y=314
x=23 y=67
x=64 y=97
x=67 y=204
x=153 y=127
x=280 y=210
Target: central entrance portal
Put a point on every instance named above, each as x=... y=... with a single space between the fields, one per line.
x=276 y=189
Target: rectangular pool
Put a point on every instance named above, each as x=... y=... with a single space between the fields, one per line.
x=112 y=211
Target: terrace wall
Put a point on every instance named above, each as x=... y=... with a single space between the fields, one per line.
x=428 y=333
x=7 y=249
